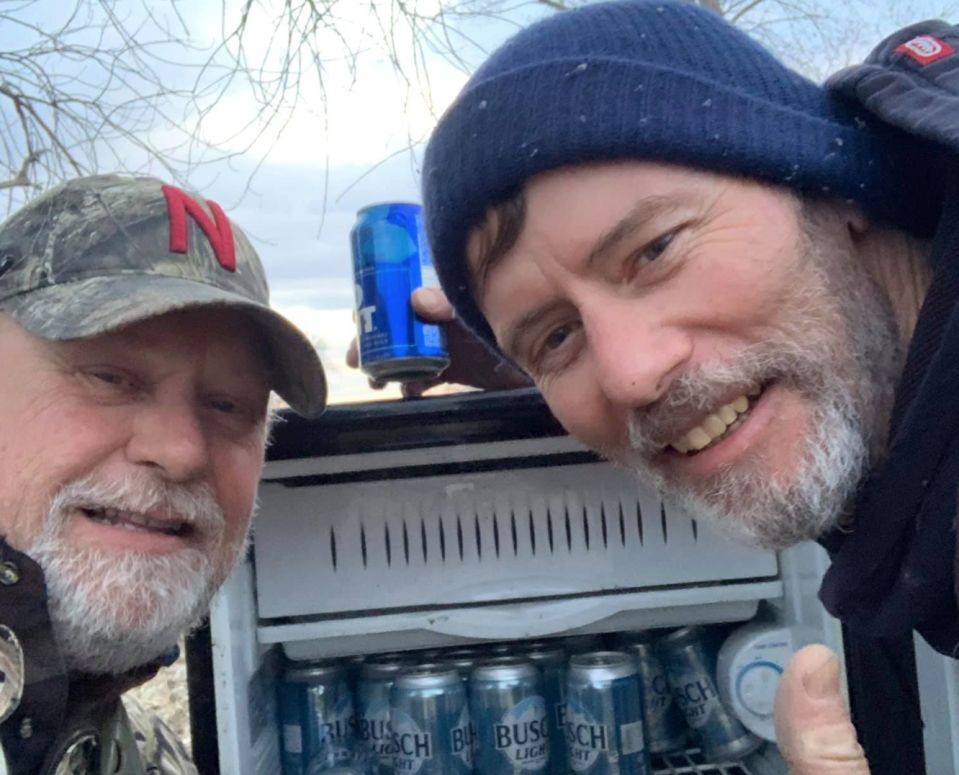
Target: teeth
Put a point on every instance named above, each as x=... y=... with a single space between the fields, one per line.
x=728 y=414
x=129 y=520
x=714 y=426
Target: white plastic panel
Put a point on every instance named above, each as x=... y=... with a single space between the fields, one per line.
x=479 y=538
x=244 y=681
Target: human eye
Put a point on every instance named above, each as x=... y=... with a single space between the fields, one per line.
x=556 y=348
x=647 y=254
x=108 y=377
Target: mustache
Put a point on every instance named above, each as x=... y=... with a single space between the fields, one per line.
x=192 y=503
x=703 y=389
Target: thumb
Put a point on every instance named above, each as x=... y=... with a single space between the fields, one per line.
x=433 y=305
x=813 y=727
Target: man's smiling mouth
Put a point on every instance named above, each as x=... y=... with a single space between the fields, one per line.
x=136 y=522
x=718 y=425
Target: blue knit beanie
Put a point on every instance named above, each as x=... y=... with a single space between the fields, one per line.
x=661 y=80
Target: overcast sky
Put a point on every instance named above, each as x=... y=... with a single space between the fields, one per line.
x=323 y=168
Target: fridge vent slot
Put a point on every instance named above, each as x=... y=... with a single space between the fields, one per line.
x=479 y=538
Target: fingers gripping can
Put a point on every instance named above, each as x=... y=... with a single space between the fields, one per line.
x=690 y=662
x=373 y=711
x=665 y=725
x=430 y=723
x=316 y=707
x=604 y=715
x=552 y=666
x=512 y=728
x=391 y=259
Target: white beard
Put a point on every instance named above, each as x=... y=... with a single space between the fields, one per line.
x=841 y=353
x=114 y=610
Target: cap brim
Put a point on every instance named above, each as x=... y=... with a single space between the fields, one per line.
x=102 y=304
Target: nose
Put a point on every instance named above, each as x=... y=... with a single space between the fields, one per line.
x=635 y=353
x=168 y=437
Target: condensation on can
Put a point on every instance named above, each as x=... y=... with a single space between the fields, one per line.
x=665 y=724
x=430 y=722
x=690 y=662
x=604 y=715
x=511 y=718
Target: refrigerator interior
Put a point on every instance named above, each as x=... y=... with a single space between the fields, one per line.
x=426 y=534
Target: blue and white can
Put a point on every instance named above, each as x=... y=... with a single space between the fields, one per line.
x=689 y=657
x=666 y=728
x=512 y=721
x=316 y=712
x=391 y=258
x=604 y=715
x=430 y=720
x=551 y=662
x=373 y=736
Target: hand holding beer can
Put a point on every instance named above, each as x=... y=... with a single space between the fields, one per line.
x=391 y=258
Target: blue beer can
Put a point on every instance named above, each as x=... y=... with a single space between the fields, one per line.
x=391 y=259
x=604 y=715
x=430 y=723
x=373 y=737
x=551 y=662
x=665 y=724
x=511 y=717
x=689 y=657
x=316 y=712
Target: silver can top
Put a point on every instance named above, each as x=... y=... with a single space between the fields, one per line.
x=313 y=672
x=682 y=637
x=370 y=206
x=504 y=669
x=543 y=657
x=428 y=676
x=601 y=666
x=383 y=668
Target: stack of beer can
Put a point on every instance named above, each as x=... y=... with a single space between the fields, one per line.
x=590 y=705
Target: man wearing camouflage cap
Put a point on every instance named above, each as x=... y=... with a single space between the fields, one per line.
x=138 y=352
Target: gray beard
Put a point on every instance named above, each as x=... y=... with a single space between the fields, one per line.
x=840 y=350
x=112 y=611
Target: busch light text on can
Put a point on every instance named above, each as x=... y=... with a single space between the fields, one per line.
x=551 y=662
x=316 y=709
x=604 y=715
x=391 y=259
x=511 y=717
x=373 y=712
x=665 y=724
x=690 y=662
x=430 y=723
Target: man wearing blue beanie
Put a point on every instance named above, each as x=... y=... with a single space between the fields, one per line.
x=736 y=282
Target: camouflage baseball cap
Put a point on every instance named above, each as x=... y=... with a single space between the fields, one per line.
x=101 y=252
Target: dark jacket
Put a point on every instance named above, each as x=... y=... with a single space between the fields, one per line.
x=49 y=717
x=896 y=570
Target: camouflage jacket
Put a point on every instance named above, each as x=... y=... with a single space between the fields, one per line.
x=55 y=723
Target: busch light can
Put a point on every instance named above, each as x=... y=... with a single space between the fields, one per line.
x=604 y=715
x=373 y=712
x=551 y=662
x=390 y=260
x=430 y=722
x=511 y=717
x=690 y=661
x=316 y=711
x=665 y=724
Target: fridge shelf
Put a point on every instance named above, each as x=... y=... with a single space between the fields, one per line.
x=692 y=762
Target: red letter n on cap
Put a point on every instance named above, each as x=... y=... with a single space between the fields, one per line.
x=220 y=234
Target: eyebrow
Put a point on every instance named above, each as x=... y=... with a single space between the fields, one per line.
x=640 y=214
